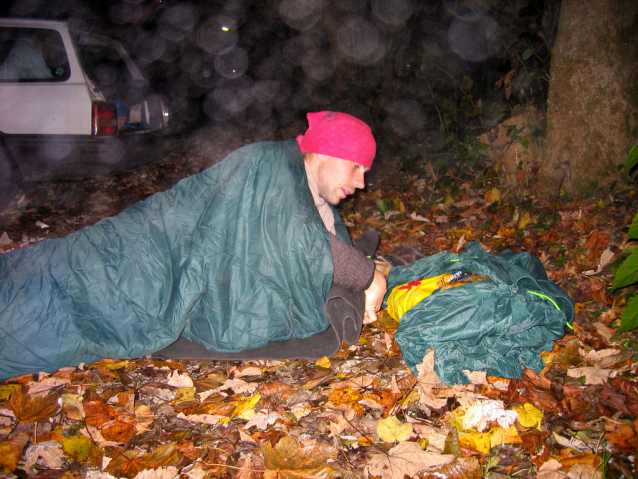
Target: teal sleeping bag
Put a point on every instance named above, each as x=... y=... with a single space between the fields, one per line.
x=233 y=258
x=497 y=326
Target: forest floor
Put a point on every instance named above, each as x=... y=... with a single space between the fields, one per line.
x=362 y=412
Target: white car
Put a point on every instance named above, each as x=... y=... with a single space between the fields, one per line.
x=73 y=105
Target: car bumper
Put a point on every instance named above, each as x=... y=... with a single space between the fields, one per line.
x=74 y=157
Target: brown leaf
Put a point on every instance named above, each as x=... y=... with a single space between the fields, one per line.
x=408 y=458
x=613 y=398
x=597 y=242
x=292 y=461
x=10 y=450
x=32 y=409
x=97 y=413
x=541 y=399
x=536 y=379
x=622 y=436
x=462 y=468
x=247 y=469
x=130 y=463
x=274 y=389
x=119 y=431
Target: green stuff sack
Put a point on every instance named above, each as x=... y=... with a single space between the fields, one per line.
x=497 y=326
x=405 y=296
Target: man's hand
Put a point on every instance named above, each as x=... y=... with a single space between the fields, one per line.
x=374 y=297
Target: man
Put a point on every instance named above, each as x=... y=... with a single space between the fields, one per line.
x=338 y=149
x=236 y=261
x=25 y=61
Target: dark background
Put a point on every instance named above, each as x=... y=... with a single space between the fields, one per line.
x=434 y=73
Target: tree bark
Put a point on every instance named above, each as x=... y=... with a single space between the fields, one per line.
x=592 y=118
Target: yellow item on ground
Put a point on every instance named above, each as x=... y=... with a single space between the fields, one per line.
x=405 y=296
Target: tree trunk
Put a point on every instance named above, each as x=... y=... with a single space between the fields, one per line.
x=592 y=120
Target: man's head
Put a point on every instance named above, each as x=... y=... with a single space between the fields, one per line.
x=339 y=149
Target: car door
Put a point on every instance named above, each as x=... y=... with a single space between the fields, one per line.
x=32 y=101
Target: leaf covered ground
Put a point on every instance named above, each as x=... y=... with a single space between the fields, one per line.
x=361 y=413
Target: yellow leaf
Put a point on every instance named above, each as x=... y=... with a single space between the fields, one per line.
x=504 y=436
x=456 y=423
x=601 y=204
x=184 y=394
x=529 y=416
x=323 y=362
x=506 y=232
x=243 y=409
x=77 y=447
x=391 y=429
x=524 y=221
x=110 y=366
x=7 y=389
x=247 y=414
x=449 y=201
x=477 y=441
x=493 y=196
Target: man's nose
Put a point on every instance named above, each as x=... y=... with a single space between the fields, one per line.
x=358 y=180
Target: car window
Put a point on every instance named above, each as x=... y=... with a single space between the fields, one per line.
x=32 y=55
x=105 y=66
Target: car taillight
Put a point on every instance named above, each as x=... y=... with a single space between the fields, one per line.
x=104 y=119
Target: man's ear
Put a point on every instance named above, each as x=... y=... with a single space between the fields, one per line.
x=313 y=158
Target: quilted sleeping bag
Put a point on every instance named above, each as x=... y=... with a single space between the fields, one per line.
x=497 y=326
x=233 y=258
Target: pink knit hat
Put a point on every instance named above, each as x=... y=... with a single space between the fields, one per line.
x=339 y=135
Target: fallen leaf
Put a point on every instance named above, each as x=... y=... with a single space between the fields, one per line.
x=11 y=449
x=492 y=196
x=143 y=417
x=249 y=371
x=476 y=441
x=49 y=454
x=427 y=380
x=45 y=385
x=7 y=389
x=592 y=375
x=28 y=409
x=118 y=430
x=501 y=436
x=323 y=362
x=184 y=394
x=529 y=416
x=622 y=436
x=476 y=377
x=202 y=418
x=82 y=449
x=238 y=386
x=159 y=473
x=130 y=462
x=596 y=356
x=405 y=459
x=178 y=380
x=416 y=217
x=524 y=220
x=551 y=470
x=96 y=413
x=391 y=429
x=262 y=420
x=291 y=461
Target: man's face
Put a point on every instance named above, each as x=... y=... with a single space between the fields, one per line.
x=337 y=178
